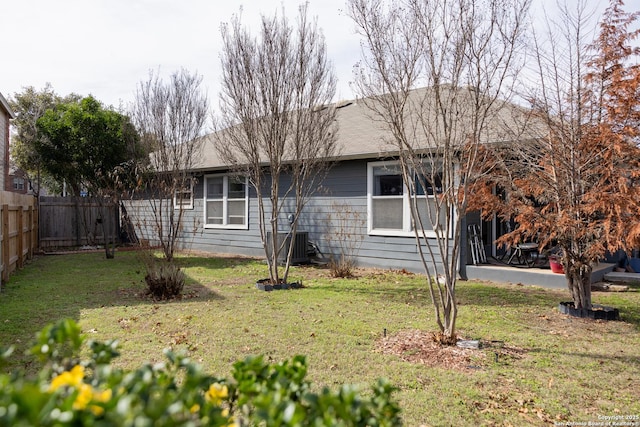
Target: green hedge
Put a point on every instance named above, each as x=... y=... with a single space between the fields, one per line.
x=70 y=391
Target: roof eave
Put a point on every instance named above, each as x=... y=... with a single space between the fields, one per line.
x=5 y=105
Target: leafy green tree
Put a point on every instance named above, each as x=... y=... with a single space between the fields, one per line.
x=29 y=105
x=83 y=142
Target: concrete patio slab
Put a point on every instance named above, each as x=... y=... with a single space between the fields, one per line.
x=622 y=276
x=531 y=276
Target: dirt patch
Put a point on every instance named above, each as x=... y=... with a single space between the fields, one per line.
x=418 y=346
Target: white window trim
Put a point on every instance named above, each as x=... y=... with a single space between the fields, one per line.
x=186 y=203
x=225 y=200
x=407 y=230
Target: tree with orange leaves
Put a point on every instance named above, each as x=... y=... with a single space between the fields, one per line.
x=577 y=186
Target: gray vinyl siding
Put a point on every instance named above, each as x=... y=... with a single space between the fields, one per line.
x=222 y=240
x=346 y=185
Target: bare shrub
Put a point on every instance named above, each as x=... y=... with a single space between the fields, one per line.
x=165 y=280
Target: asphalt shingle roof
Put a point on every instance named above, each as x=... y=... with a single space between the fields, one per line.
x=362 y=135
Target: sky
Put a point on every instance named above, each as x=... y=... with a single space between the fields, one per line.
x=107 y=47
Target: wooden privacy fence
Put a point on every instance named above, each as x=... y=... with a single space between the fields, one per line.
x=67 y=222
x=19 y=231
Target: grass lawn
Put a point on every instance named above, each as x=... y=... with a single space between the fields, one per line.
x=543 y=368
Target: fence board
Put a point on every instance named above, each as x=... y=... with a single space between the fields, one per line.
x=77 y=221
x=19 y=220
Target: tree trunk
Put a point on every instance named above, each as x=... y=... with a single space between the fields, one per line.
x=578 y=276
x=107 y=231
x=450 y=316
x=78 y=220
x=275 y=246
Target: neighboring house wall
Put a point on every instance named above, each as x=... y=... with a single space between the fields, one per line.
x=18 y=182
x=5 y=116
x=4 y=143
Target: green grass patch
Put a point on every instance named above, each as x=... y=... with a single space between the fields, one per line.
x=564 y=370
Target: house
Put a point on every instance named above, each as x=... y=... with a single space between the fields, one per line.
x=364 y=185
x=5 y=117
x=18 y=181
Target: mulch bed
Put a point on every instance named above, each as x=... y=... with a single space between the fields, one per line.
x=417 y=346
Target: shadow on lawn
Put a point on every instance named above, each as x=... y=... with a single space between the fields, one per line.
x=468 y=293
x=193 y=288
x=54 y=287
x=484 y=294
x=409 y=294
x=394 y=289
x=629 y=312
x=213 y=262
x=596 y=357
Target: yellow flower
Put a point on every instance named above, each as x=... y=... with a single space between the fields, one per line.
x=97 y=410
x=71 y=378
x=232 y=420
x=217 y=393
x=85 y=394
x=102 y=396
x=195 y=408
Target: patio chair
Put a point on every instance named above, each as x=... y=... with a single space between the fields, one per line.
x=524 y=253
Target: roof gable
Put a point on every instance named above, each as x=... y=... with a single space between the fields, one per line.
x=5 y=105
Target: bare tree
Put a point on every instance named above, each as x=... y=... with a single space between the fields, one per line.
x=277 y=127
x=582 y=169
x=170 y=118
x=463 y=53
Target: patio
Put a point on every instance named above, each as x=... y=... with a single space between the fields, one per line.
x=544 y=277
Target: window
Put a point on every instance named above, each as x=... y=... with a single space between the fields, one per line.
x=184 y=198
x=226 y=201
x=389 y=200
x=18 y=184
x=426 y=189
